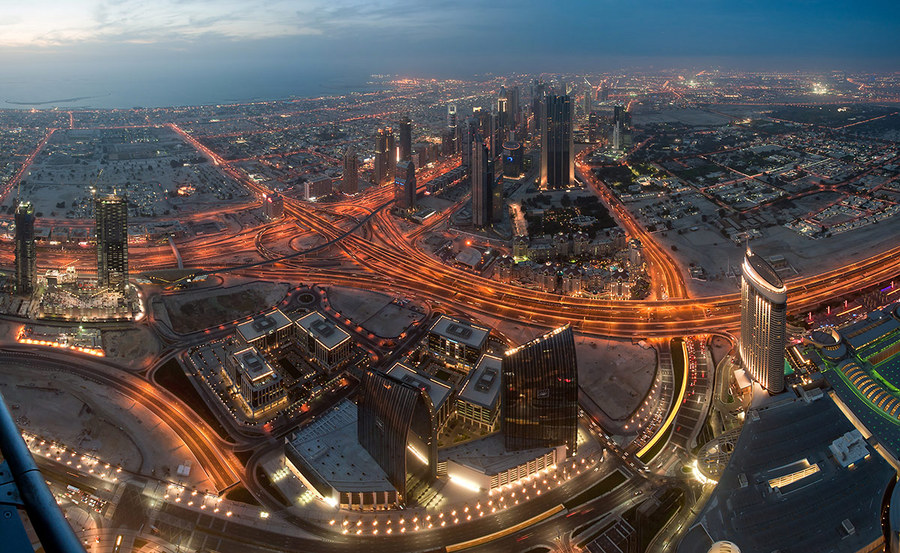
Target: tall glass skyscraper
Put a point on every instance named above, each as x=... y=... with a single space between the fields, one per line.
x=480 y=174
x=557 y=143
x=111 y=213
x=405 y=185
x=396 y=426
x=540 y=393
x=350 y=180
x=763 y=322
x=26 y=255
x=405 y=153
x=385 y=156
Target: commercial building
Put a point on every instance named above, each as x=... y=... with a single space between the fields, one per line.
x=396 y=426
x=404 y=152
x=329 y=345
x=26 y=254
x=273 y=205
x=467 y=136
x=350 y=178
x=328 y=458
x=267 y=331
x=540 y=393
x=557 y=146
x=478 y=401
x=317 y=188
x=440 y=394
x=111 y=233
x=385 y=157
x=459 y=343
x=482 y=179
x=405 y=186
x=487 y=464
x=258 y=385
x=512 y=158
x=763 y=322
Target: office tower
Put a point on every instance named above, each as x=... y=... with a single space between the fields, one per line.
x=111 y=213
x=513 y=95
x=350 y=179
x=587 y=103
x=557 y=146
x=405 y=186
x=273 y=205
x=540 y=393
x=26 y=254
x=452 y=127
x=763 y=322
x=503 y=109
x=385 y=157
x=405 y=150
x=495 y=133
x=396 y=425
x=448 y=142
x=617 y=136
x=469 y=128
x=512 y=158
x=481 y=183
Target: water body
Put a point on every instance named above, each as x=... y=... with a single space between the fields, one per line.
x=167 y=88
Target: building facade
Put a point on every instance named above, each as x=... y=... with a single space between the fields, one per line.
x=540 y=393
x=404 y=152
x=458 y=343
x=478 y=402
x=405 y=186
x=111 y=233
x=481 y=178
x=763 y=322
x=557 y=143
x=273 y=205
x=327 y=344
x=258 y=385
x=385 y=158
x=350 y=179
x=26 y=254
x=396 y=426
x=266 y=332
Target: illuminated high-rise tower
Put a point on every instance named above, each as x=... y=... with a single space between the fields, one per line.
x=350 y=179
x=405 y=185
x=763 y=322
x=480 y=174
x=452 y=127
x=557 y=145
x=467 y=135
x=111 y=213
x=405 y=150
x=540 y=393
x=26 y=254
x=385 y=156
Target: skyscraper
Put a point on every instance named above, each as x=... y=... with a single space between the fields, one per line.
x=385 y=157
x=452 y=127
x=513 y=95
x=26 y=255
x=350 y=180
x=763 y=322
x=405 y=151
x=503 y=108
x=498 y=203
x=396 y=426
x=111 y=213
x=540 y=393
x=481 y=178
x=469 y=128
x=557 y=146
x=405 y=185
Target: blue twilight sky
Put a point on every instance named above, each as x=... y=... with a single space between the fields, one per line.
x=442 y=37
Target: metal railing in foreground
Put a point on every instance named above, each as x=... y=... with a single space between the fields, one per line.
x=22 y=486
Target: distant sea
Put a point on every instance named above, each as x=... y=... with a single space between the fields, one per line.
x=168 y=90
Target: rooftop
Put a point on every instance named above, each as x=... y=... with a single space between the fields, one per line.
x=488 y=455
x=460 y=331
x=437 y=391
x=482 y=384
x=764 y=271
x=262 y=325
x=330 y=446
x=324 y=330
x=252 y=364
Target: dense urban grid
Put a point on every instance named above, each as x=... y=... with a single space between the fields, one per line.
x=596 y=312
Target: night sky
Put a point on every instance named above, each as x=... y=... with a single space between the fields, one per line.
x=450 y=38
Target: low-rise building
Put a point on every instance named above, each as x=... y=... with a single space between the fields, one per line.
x=258 y=385
x=267 y=331
x=440 y=394
x=323 y=340
x=478 y=401
x=459 y=343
